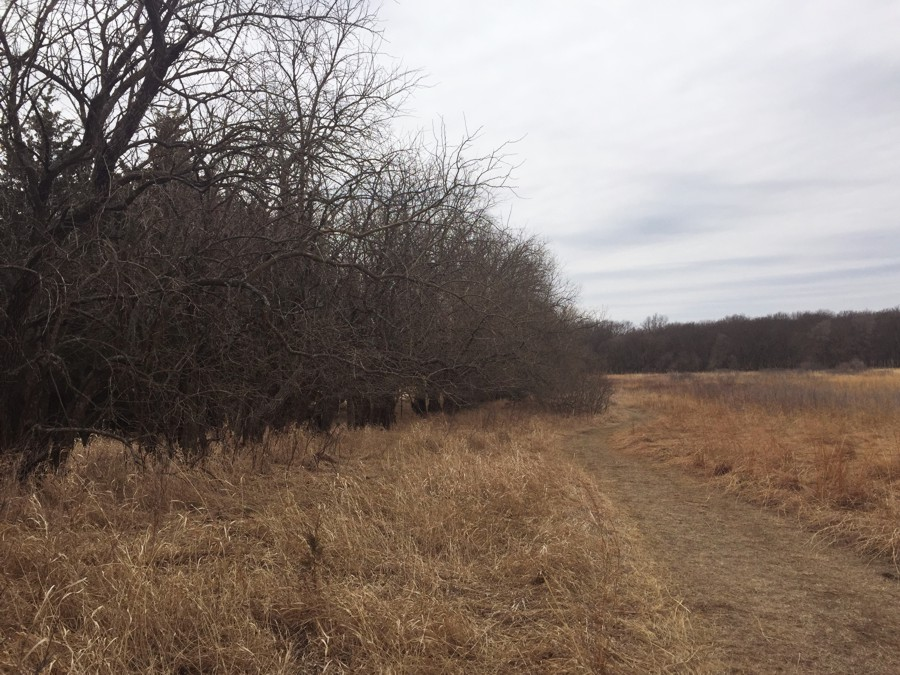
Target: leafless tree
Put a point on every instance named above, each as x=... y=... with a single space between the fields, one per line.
x=208 y=227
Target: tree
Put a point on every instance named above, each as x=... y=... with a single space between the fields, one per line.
x=208 y=229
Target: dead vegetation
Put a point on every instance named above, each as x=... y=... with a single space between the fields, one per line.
x=824 y=446
x=470 y=545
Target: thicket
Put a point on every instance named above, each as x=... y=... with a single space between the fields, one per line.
x=847 y=341
x=208 y=229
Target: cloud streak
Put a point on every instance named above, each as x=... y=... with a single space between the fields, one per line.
x=695 y=159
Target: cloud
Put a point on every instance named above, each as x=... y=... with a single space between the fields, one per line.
x=693 y=159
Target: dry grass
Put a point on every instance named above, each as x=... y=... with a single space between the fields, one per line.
x=473 y=546
x=651 y=629
x=824 y=446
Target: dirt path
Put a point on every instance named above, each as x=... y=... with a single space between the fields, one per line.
x=762 y=592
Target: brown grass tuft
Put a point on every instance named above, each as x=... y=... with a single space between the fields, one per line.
x=824 y=446
x=470 y=545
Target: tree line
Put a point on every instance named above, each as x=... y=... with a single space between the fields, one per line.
x=208 y=229
x=822 y=339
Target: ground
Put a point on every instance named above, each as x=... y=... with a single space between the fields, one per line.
x=762 y=594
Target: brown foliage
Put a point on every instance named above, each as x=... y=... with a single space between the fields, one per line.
x=466 y=547
x=823 y=446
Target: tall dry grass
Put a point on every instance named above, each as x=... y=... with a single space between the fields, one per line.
x=467 y=546
x=825 y=446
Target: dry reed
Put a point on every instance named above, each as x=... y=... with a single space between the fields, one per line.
x=824 y=446
x=466 y=546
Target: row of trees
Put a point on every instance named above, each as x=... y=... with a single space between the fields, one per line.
x=207 y=226
x=804 y=340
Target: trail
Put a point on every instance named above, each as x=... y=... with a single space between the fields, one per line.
x=762 y=592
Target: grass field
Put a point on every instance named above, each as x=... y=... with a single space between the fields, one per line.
x=472 y=545
x=823 y=446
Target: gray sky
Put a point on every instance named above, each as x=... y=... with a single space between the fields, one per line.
x=697 y=158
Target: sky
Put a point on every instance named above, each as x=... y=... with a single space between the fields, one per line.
x=695 y=159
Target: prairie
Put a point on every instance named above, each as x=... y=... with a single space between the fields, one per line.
x=822 y=446
x=472 y=544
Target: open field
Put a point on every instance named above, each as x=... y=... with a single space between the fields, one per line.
x=762 y=594
x=823 y=446
x=472 y=545
x=481 y=543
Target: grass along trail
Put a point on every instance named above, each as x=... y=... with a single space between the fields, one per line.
x=765 y=595
x=470 y=544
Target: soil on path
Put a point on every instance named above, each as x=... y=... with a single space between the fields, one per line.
x=763 y=593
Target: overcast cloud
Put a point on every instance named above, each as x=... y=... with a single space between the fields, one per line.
x=696 y=158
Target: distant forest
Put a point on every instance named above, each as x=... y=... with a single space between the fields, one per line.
x=849 y=340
